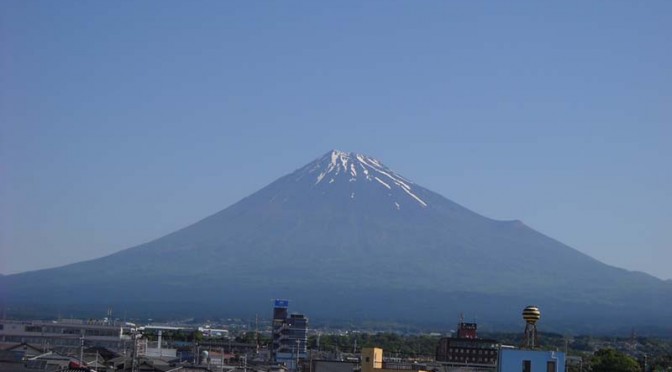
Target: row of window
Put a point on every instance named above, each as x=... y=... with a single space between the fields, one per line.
x=550 y=366
x=472 y=359
x=471 y=351
x=466 y=344
x=72 y=331
x=59 y=341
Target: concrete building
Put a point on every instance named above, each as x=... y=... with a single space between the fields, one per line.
x=372 y=361
x=333 y=366
x=531 y=360
x=65 y=333
x=290 y=336
x=467 y=350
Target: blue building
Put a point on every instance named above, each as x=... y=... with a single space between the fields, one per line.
x=530 y=361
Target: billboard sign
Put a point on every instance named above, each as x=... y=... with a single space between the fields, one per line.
x=281 y=303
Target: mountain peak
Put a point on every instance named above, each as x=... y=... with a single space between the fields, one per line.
x=347 y=221
x=334 y=156
x=353 y=169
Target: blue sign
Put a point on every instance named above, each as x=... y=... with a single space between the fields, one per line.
x=281 y=303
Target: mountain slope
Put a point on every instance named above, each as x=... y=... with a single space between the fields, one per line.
x=346 y=229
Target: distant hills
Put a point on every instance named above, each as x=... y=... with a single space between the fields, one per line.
x=345 y=237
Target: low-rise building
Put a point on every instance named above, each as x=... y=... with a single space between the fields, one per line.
x=372 y=361
x=64 y=333
x=530 y=360
x=466 y=349
x=333 y=366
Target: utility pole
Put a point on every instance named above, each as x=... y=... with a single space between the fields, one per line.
x=135 y=336
x=135 y=350
x=298 y=345
x=81 y=350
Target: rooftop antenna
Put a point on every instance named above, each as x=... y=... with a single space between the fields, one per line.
x=256 y=331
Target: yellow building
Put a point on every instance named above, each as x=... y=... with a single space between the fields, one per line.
x=372 y=361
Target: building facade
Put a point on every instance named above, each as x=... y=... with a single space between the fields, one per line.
x=290 y=336
x=372 y=361
x=531 y=360
x=65 y=333
x=466 y=349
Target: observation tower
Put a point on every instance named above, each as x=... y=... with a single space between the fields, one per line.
x=531 y=315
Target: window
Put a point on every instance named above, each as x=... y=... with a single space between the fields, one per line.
x=550 y=366
x=101 y=332
x=527 y=366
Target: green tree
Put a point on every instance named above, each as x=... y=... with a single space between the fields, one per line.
x=610 y=360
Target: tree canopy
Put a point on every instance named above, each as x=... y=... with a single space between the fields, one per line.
x=610 y=360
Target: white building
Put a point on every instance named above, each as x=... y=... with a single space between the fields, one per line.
x=67 y=332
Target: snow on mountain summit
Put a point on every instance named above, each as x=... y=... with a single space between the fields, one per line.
x=352 y=167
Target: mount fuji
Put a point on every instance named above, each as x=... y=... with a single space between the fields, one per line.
x=345 y=237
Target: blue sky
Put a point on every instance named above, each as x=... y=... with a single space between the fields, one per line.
x=123 y=121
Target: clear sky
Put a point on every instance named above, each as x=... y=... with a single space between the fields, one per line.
x=123 y=121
